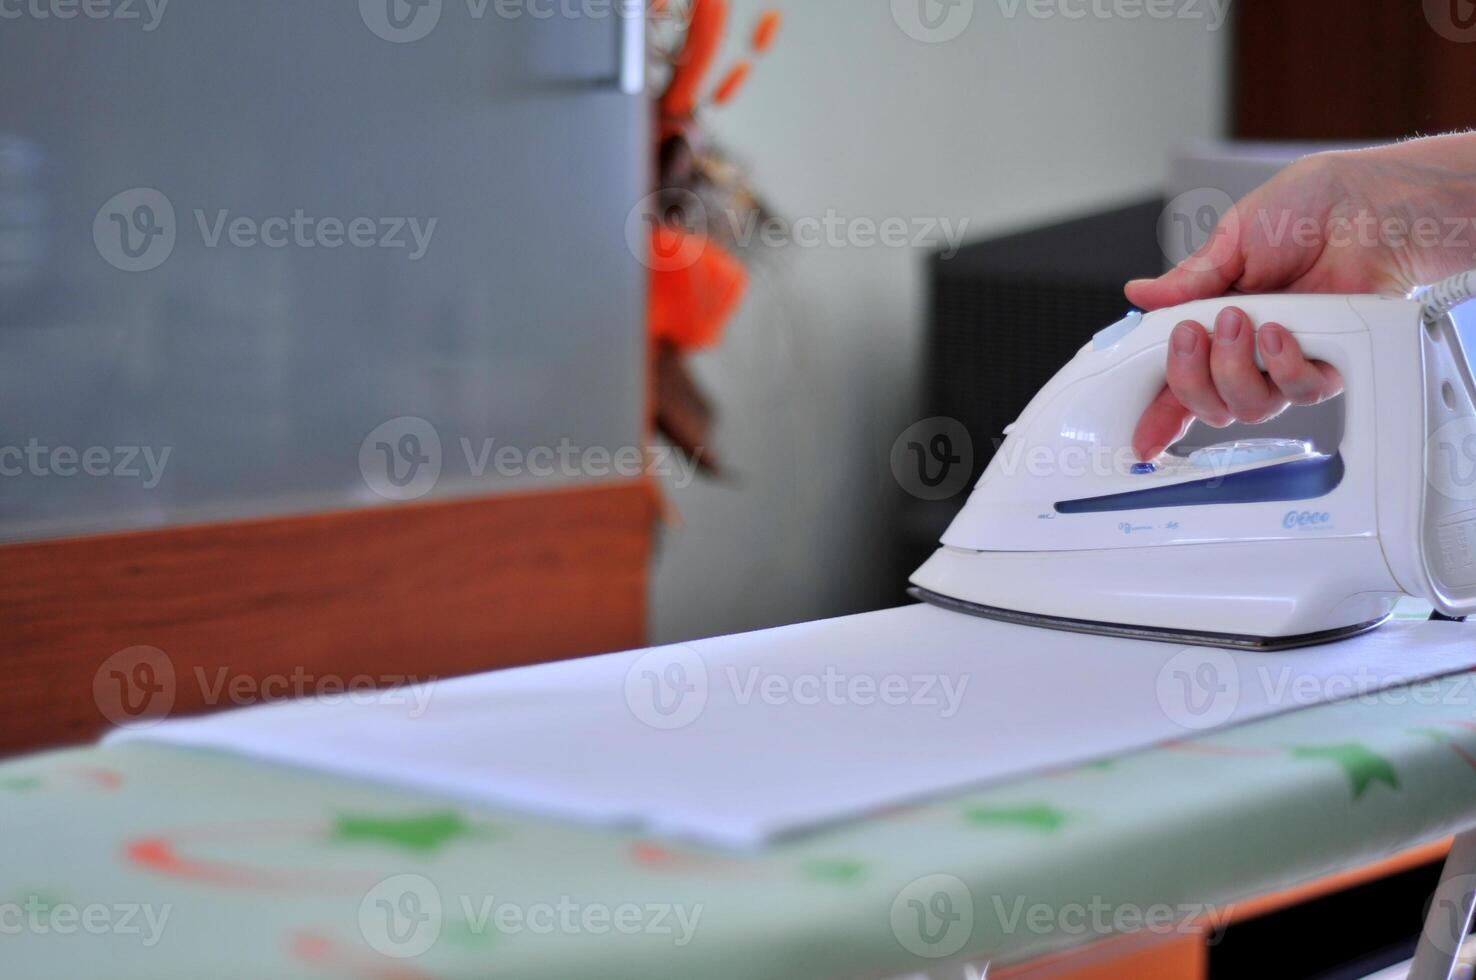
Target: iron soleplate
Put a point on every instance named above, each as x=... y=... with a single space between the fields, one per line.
x=1228 y=641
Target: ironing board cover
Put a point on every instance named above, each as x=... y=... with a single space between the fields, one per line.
x=153 y=862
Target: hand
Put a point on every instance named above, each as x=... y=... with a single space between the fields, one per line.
x=1369 y=221
x=1216 y=379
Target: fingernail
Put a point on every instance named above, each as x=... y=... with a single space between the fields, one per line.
x=1227 y=327
x=1271 y=340
x=1185 y=340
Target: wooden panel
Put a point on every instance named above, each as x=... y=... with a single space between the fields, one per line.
x=1353 y=69
x=309 y=602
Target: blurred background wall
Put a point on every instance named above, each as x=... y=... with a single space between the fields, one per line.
x=1015 y=121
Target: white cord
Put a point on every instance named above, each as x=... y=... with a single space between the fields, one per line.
x=1445 y=296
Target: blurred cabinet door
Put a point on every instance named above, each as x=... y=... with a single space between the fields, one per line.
x=280 y=256
x=1353 y=70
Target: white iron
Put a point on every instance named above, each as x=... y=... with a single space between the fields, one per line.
x=1265 y=544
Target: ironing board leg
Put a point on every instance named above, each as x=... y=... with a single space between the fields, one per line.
x=1450 y=913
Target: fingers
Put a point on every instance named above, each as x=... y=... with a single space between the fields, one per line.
x=1216 y=378
x=1190 y=378
x=1161 y=426
x=1241 y=386
x=1301 y=382
x=1209 y=272
x=1248 y=251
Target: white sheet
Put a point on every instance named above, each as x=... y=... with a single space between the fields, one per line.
x=766 y=734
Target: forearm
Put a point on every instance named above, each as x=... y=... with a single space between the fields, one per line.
x=1434 y=176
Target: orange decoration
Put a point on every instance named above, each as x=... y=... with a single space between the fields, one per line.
x=692 y=297
x=767 y=30
x=704 y=37
x=731 y=83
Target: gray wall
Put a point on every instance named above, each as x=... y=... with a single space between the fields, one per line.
x=1016 y=120
x=288 y=377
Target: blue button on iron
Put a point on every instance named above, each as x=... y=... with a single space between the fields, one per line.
x=1144 y=469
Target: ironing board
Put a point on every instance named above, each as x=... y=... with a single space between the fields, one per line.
x=255 y=870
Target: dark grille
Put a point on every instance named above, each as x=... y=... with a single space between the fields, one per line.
x=1006 y=314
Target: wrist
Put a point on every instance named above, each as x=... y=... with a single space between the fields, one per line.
x=1454 y=153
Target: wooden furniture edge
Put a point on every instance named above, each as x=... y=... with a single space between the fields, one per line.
x=288 y=605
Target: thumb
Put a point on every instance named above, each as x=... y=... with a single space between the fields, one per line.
x=1163 y=423
x=1207 y=273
